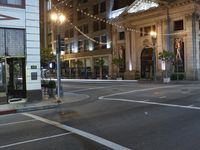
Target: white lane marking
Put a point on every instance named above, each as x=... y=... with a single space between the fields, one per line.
x=87 y=135
x=35 y=140
x=140 y=90
x=14 y=123
x=88 y=89
x=152 y=103
x=95 y=88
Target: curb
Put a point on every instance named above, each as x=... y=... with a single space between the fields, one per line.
x=8 y=112
x=20 y=108
x=27 y=109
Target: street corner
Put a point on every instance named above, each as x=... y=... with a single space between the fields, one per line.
x=73 y=97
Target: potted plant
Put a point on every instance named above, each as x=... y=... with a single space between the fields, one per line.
x=44 y=85
x=167 y=58
x=51 y=87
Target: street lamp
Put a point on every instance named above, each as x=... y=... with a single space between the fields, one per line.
x=58 y=18
x=153 y=35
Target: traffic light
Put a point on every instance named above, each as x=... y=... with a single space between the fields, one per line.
x=61 y=44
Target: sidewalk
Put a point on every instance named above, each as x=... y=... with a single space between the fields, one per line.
x=46 y=103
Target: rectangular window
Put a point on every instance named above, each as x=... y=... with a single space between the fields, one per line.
x=71 y=45
x=141 y=32
x=154 y=28
x=13 y=3
x=86 y=45
x=147 y=30
x=95 y=9
x=67 y=48
x=12 y=42
x=178 y=25
x=85 y=28
x=2 y=42
x=103 y=40
x=80 y=46
x=121 y=35
x=95 y=26
x=96 y=44
x=103 y=25
x=103 y=7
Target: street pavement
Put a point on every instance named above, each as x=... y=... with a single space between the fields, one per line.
x=68 y=98
x=112 y=115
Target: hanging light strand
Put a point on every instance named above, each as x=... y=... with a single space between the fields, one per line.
x=86 y=36
x=112 y=23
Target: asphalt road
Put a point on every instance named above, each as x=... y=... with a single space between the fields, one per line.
x=117 y=115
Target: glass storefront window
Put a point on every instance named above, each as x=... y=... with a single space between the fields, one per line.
x=12 y=42
x=13 y=3
x=2 y=42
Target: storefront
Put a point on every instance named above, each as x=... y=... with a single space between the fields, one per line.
x=19 y=51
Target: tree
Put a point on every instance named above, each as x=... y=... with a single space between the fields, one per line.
x=78 y=65
x=168 y=58
x=100 y=63
x=46 y=57
x=119 y=63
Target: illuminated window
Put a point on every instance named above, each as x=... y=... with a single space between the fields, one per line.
x=147 y=30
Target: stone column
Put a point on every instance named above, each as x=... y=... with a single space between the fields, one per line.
x=190 y=47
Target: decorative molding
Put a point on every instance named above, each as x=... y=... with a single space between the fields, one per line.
x=146 y=43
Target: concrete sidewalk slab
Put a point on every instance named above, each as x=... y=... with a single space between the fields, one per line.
x=68 y=98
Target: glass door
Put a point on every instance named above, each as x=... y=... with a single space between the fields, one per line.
x=3 y=97
x=16 y=80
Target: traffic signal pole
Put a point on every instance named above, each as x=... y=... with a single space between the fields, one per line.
x=58 y=69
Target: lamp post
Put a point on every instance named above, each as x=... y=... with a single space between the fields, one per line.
x=58 y=19
x=153 y=35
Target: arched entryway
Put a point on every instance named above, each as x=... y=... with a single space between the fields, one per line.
x=146 y=63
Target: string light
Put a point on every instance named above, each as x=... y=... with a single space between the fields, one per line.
x=114 y=24
x=91 y=39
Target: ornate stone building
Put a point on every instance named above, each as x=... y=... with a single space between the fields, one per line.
x=86 y=34
x=177 y=25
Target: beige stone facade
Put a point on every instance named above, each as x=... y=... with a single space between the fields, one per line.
x=173 y=21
